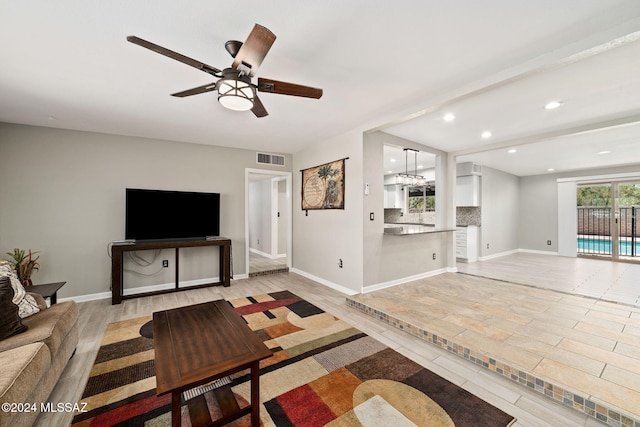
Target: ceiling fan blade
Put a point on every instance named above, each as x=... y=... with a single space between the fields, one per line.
x=174 y=55
x=258 y=109
x=284 y=88
x=196 y=90
x=254 y=49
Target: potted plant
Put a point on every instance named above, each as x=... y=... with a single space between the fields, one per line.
x=25 y=264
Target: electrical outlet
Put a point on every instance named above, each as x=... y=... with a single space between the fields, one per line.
x=370 y=216
x=548 y=242
x=340 y=263
x=434 y=255
x=487 y=246
x=165 y=263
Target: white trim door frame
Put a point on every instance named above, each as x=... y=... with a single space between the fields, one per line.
x=274 y=174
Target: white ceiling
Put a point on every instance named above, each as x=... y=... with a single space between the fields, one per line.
x=397 y=160
x=597 y=124
x=67 y=64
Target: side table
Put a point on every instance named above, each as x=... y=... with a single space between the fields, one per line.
x=48 y=290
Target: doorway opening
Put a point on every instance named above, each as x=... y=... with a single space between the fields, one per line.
x=267 y=222
x=608 y=225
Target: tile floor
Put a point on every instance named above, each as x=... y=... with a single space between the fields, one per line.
x=582 y=351
x=605 y=280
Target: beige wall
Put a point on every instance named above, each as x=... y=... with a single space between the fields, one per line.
x=260 y=215
x=62 y=193
x=283 y=218
x=500 y=196
x=387 y=258
x=325 y=236
x=538 y=213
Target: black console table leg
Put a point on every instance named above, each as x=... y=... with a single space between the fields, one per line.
x=177 y=268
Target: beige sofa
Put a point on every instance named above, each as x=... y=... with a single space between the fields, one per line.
x=32 y=361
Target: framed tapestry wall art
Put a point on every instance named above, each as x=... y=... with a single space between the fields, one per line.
x=323 y=186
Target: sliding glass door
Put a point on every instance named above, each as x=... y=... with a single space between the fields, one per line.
x=628 y=201
x=607 y=220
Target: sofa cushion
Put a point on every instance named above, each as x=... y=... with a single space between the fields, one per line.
x=21 y=373
x=50 y=326
x=10 y=322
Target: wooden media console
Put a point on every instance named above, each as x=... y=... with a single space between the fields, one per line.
x=117 y=264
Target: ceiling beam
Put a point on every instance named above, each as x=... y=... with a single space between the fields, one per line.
x=583 y=128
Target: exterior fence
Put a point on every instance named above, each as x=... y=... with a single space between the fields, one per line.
x=594 y=230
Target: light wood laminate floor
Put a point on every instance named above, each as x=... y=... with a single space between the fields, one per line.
x=529 y=407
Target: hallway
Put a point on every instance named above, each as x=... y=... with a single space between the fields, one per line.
x=260 y=265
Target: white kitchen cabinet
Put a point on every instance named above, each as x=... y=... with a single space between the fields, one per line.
x=393 y=196
x=467 y=243
x=468 y=190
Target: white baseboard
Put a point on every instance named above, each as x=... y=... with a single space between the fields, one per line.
x=531 y=251
x=498 y=255
x=152 y=288
x=324 y=282
x=257 y=252
x=88 y=297
x=266 y=255
x=407 y=279
x=515 y=251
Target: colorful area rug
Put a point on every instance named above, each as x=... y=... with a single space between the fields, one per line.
x=324 y=372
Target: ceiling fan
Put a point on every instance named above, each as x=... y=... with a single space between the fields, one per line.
x=234 y=86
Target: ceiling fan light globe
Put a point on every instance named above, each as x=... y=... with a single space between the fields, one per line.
x=236 y=103
x=235 y=95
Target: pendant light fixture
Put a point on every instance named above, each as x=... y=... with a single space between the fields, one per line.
x=406 y=179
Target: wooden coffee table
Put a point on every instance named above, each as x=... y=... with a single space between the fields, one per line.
x=200 y=343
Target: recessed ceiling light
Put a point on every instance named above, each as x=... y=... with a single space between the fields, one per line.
x=604 y=152
x=420 y=166
x=389 y=171
x=449 y=117
x=486 y=134
x=552 y=105
x=513 y=150
x=392 y=160
x=550 y=170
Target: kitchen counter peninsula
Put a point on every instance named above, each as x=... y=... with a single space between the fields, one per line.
x=406 y=229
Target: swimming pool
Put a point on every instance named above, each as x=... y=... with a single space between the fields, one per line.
x=601 y=246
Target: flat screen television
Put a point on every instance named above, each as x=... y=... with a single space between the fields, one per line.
x=171 y=215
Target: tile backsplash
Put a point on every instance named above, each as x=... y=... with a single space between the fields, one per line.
x=468 y=215
x=464 y=216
